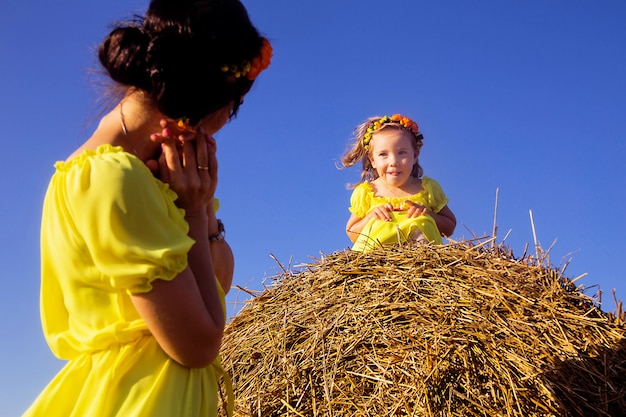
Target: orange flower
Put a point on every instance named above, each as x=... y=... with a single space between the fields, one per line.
x=262 y=61
x=183 y=123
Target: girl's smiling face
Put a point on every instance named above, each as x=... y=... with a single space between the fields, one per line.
x=393 y=155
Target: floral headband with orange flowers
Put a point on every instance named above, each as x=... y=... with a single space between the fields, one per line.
x=403 y=121
x=252 y=69
x=249 y=69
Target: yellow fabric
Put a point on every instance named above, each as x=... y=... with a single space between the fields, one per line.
x=398 y=230
x=401 y=228
x=109 y=228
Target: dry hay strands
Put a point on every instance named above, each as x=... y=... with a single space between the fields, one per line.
x=452 y=330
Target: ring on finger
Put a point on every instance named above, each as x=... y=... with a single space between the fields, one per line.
x=200 y=167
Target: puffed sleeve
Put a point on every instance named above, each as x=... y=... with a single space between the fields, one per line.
x=131 y=227
x=361 y=200
x=436 y=197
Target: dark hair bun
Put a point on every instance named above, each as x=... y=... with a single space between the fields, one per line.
x=123 y=56
x=175 y=55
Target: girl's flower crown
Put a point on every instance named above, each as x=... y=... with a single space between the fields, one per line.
x=403 y=121
x=252 y=69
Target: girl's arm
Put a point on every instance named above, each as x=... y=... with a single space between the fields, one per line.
x=356 y=224
x=446 y=221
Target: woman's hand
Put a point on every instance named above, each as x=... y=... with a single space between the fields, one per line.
x=169 y=129
x=188 y=164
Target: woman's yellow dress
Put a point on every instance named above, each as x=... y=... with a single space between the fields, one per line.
x=109 y=229
x=401 y=228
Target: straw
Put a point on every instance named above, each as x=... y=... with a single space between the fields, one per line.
x=462 y=329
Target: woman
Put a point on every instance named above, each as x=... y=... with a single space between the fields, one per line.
x=129 y=296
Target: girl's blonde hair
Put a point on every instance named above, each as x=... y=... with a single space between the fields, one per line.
x=359 y=150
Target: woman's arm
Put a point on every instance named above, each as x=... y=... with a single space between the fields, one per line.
x=221 y=254
x=185 y=314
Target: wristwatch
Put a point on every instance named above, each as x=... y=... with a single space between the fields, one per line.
x=221 y=232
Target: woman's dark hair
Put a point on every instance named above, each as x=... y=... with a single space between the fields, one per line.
x=175 y=54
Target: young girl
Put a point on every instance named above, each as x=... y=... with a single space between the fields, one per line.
x=393 y=202
x=134 y=265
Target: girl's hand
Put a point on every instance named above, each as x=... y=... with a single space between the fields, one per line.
x=415 y=210
x=189 y=165
x=381 y=212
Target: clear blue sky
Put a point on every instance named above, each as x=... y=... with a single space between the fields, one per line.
x=528 y=97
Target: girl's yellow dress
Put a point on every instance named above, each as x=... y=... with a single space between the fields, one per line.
x=379 y=232
x=110 y=228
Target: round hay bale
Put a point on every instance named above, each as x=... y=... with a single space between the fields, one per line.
x=452 y=330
